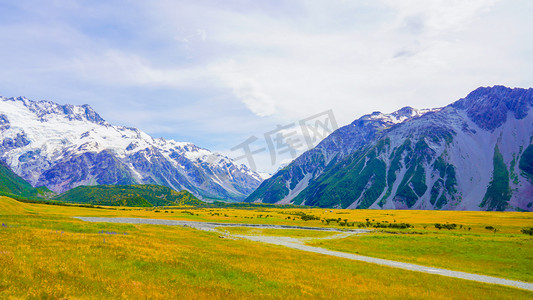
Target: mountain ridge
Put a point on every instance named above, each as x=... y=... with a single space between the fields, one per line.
x=443 y=159
x=64 y=146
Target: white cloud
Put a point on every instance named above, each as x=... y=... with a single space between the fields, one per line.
x=245 y=88
x=117 y=67
x=264 y=62
x=436 y=16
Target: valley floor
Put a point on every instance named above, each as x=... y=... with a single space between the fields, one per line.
x=46 y=253
x=296 y=243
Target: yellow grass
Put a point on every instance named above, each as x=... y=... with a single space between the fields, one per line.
x=44 y=253
x=505 y=222
x=298 y=233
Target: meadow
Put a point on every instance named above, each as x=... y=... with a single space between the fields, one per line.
x=45 y=253
x=296 y=233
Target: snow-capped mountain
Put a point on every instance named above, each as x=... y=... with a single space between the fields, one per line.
x=64 y=146
x=475 y=154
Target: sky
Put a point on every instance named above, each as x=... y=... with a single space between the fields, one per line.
x=221 y=73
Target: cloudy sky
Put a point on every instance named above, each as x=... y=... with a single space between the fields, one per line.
x=218 y=72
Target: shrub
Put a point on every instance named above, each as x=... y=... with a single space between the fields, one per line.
x=445 y=226
x=527 y=231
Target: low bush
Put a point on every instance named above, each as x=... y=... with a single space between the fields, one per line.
x=446 y=226
x=527 y=231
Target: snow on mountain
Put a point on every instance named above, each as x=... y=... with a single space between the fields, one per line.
x=63 y=146
x=264 y=175
x=474 y=154
x=399 y=116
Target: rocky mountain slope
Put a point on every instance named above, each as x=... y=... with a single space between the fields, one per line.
x=64 y=146
x=12 y=184
x=475 y=154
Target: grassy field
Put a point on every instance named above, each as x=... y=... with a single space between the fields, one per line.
x=502 y=255
x=44 y=253
x=278 y=232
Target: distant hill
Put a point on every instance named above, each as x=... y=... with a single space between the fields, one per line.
x=141 y=195
x=12 y=184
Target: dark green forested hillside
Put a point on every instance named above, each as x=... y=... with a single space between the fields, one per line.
x=144 y=195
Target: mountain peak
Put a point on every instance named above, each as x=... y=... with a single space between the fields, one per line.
x=488 y=106
x=45 y=109
x=399 y=116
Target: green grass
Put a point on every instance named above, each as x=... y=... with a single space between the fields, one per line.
x=501 y=255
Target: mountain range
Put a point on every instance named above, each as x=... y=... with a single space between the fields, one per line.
x=65 y=146
x=474 y=154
